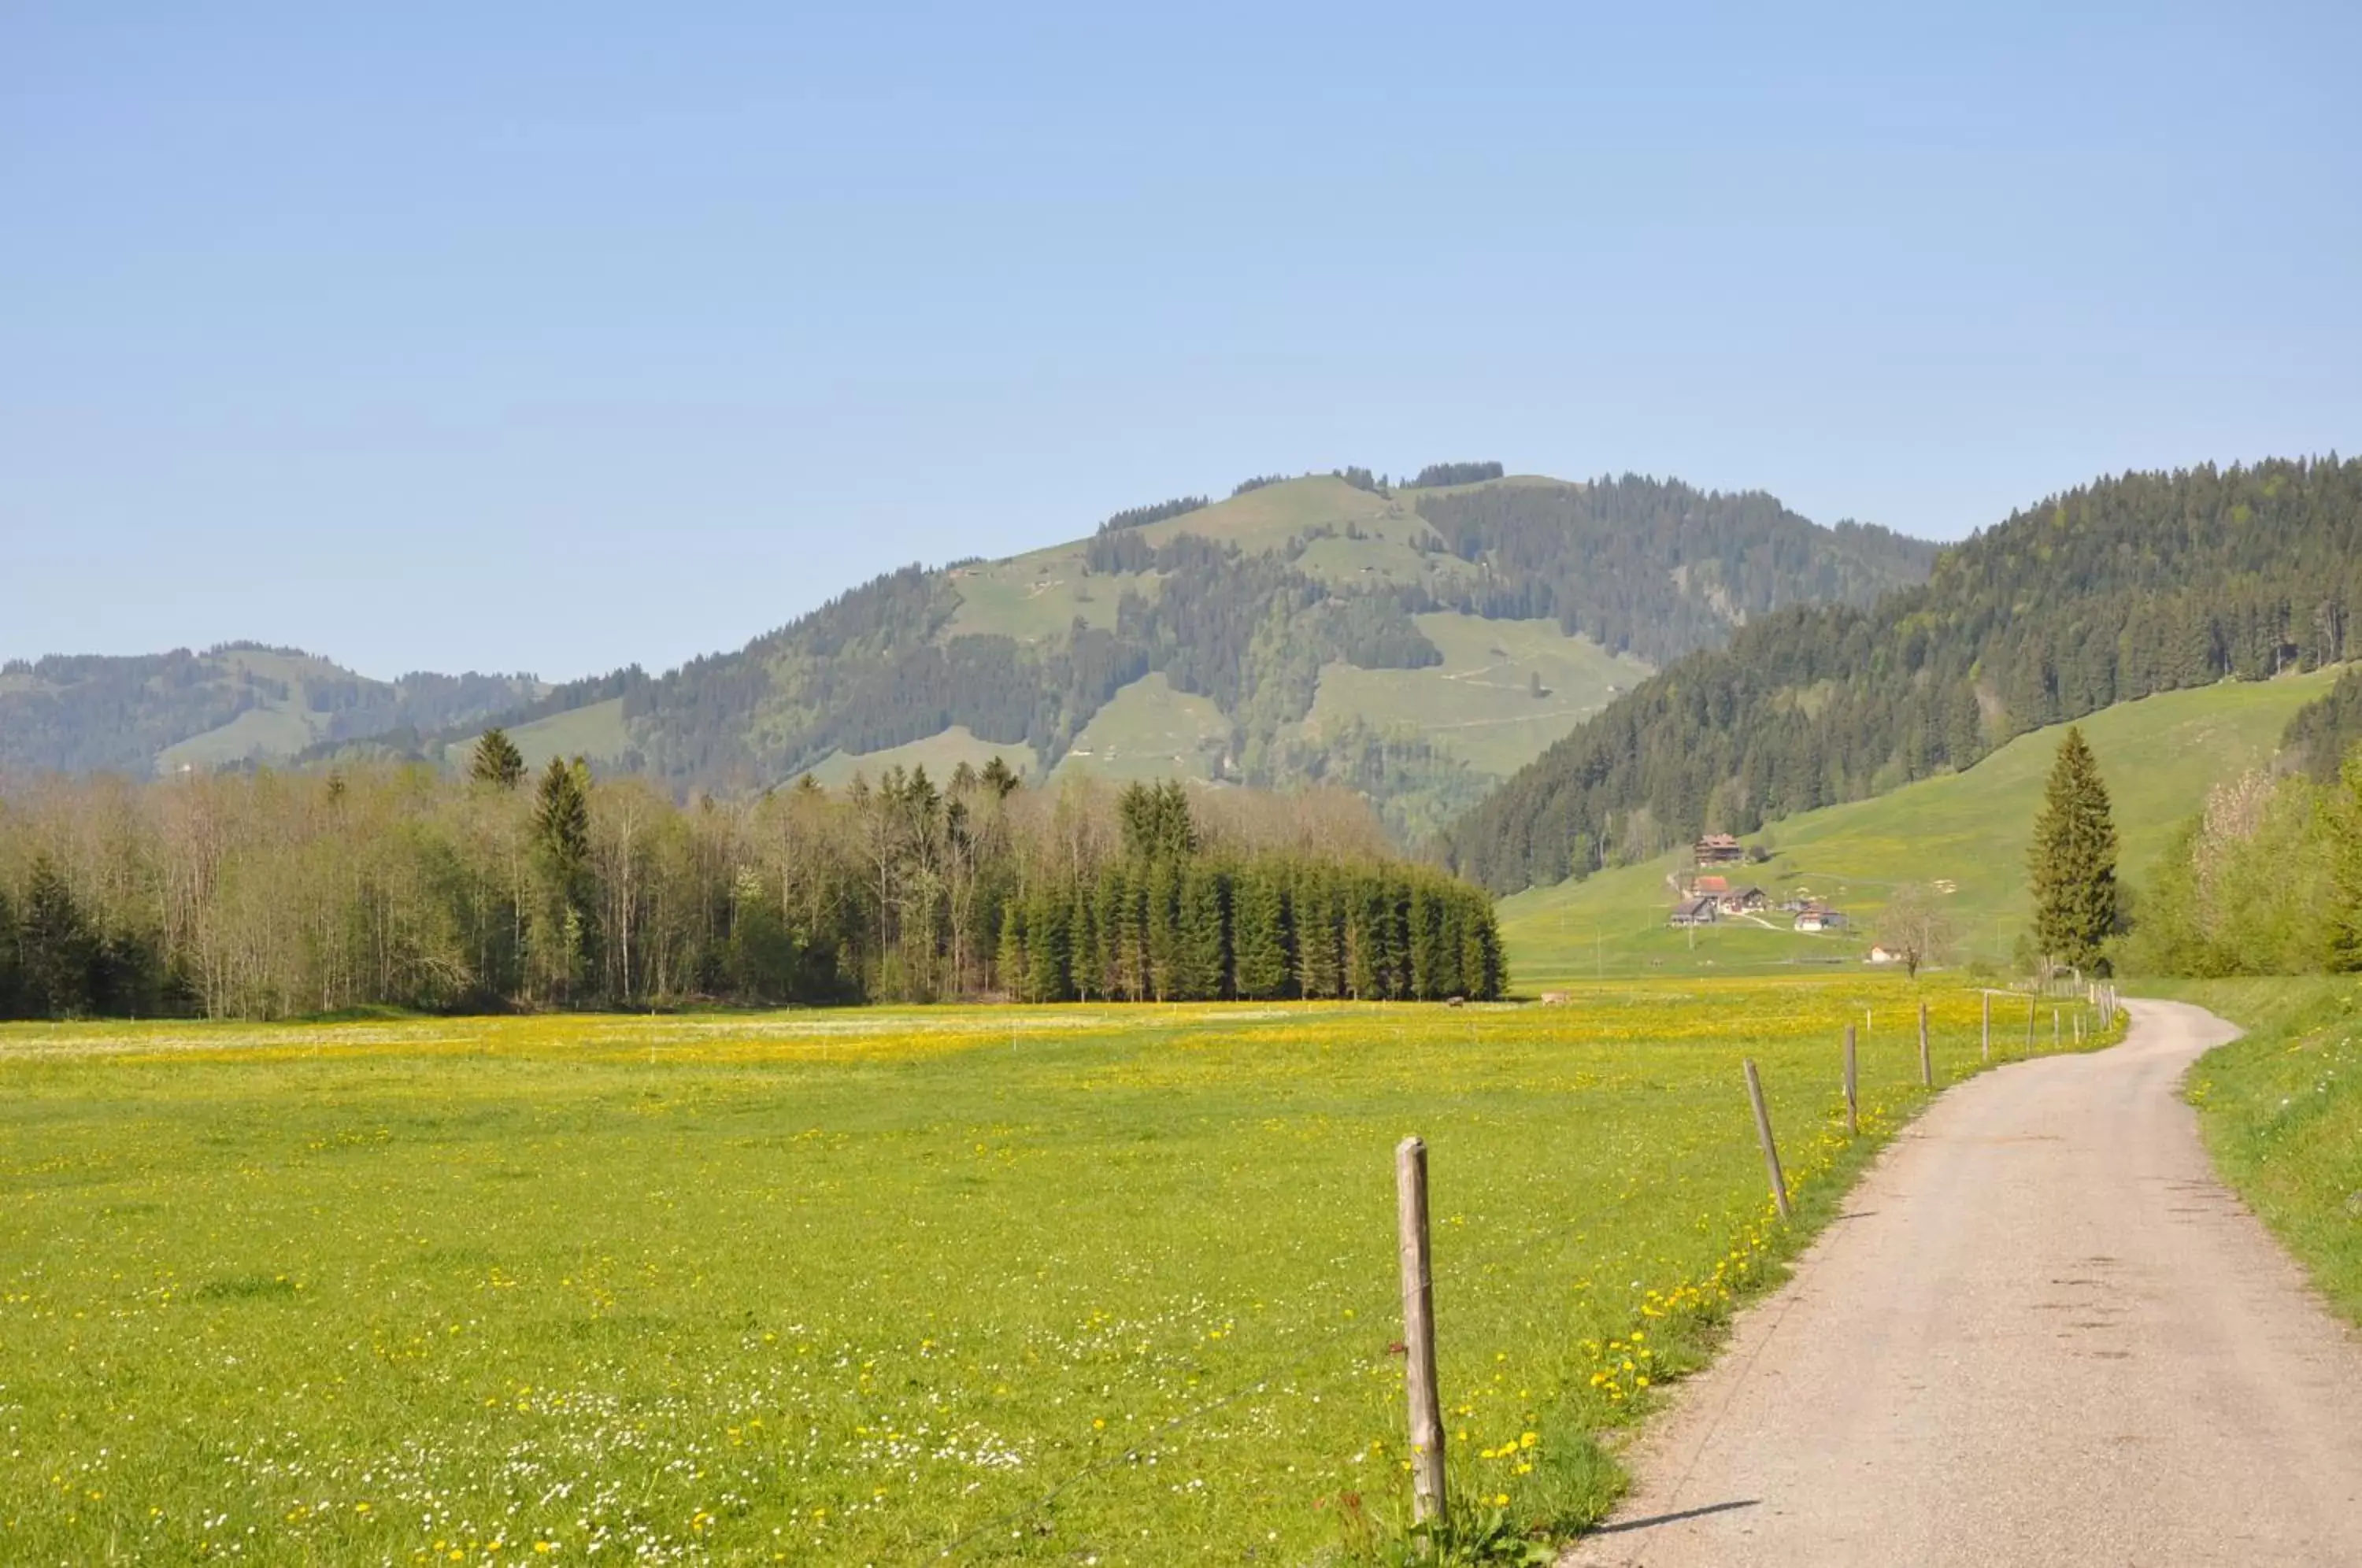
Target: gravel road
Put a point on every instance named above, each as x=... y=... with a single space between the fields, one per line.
x=2044 y=1332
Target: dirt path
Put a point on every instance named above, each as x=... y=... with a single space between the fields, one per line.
x=2043 y=1333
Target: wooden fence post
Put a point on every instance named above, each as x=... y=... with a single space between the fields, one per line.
x=1418 y=1333
x=2054 y=1029
x=1988 y=1027
x=2030 y=1006
x=1853 y=1098
x=1771 y=1149
x=1926 y=1060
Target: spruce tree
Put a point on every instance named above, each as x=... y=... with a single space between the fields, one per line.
x=56 y=945
x=1016 y=977
x=1314 y=919
x=1424 y=927
x=1258 y=935
x=1085 y=963
x=1047 y=950
x=561 y=833
x=497 y=761
x=1162 y=930
x=2073 y=861
x=1205 y=944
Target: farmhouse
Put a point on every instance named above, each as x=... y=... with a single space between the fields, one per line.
x=1709 y=887
x=1819 y=917
x=1719 y=849
x=1693 y=912
x=1743 y=900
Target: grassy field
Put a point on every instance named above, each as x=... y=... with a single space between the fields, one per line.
x=939 y=754
x=1478 y=704
x=596 y=732
x=1043 y=1286
x=1970 y=830
x=2281 y=1111
x=1149 y=731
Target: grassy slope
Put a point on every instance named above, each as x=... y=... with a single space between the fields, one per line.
x=2158 y=756
x=1037 y=595
x=274 y=727
x=1477 y=704
x=938 y=754
x=1148 y=732
x=596 y=732
x=2281 y=1111
x=848 y=1287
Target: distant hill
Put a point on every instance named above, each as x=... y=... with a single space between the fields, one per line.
x=1418 y=642
x=235 y=704
x=2144 y=583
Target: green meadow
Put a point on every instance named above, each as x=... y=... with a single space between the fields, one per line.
x=1967 y=832
x=1046 y=1286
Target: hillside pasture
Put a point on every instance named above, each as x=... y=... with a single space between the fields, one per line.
x=1479 y=704
x=1148 y=731
x=939 y=754
x=1046 y=1286
x=1968 y=831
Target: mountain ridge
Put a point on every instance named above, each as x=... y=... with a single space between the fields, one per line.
x=1416 y=641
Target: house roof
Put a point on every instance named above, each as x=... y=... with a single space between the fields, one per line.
x=1711 y=885
x=1720 y=841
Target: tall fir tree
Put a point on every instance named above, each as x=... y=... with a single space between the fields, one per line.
x=2073 y=861
x=56 y=945
x=1046 y=947
x=1259 y=963
x=1205 y=944
x=1162 y=929
x=497 y=762
x=1314 y=916
x=561 y=831
x=1085 y=961
x=1015 y=965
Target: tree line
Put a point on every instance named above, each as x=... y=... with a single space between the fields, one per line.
x=1142 y=516
x=2132 y=585
x=267 y=894
x=1456 y=473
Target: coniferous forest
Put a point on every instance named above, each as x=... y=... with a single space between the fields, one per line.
x=265 y=895
x=2144 y=583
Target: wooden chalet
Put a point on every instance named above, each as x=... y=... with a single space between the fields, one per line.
x=1719 y=849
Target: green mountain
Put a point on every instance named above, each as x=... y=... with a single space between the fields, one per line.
x=232 y=704
x=1418 y=642
x=1963 y=835
x=2126 y=587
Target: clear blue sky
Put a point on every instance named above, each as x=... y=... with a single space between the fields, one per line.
x=558 y=337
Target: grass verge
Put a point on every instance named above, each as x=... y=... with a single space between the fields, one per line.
x=2280 y=1109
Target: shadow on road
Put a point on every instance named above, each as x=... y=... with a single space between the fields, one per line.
x=1655 y=1520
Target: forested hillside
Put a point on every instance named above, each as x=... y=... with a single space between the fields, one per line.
x=1262 y=607
x=83 y=714
x=2132 y=585
x=1414 y=642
